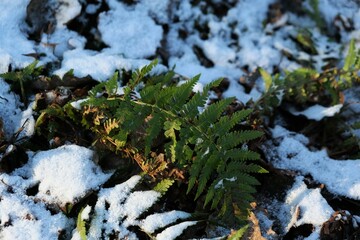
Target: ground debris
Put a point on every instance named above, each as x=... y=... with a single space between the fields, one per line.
x=341 y=225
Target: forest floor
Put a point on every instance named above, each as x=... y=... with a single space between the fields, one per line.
x=310 y=149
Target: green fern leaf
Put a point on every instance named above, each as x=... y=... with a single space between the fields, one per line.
x=350 y=57
x=195 y=172
x=200 y=140
x=355 y=125
x=191 y=108
x=111 y=85
x=155 y=126
x=137 y=76
x=267 y=79
x=238 y=233
x=99 y=88
x=213 y=112
x=12 y=76
x=183 y=93
x=163 y=186
x=245 y=167
x=242 y=155
x=149 y=93
x=170 y=127
x=233 y=139
x=226 y=123
x=207 y=170
x=81 y=225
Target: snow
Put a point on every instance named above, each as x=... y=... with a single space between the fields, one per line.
x=139 y=34
x=160 y=220
x=100 y=66
x=124 y=207
x=85 y=213
x=301 y=205
x=174 y=231
x=27 y=121
x=114 y=197
x=28 y=219
x=67 y=11
x=13 y=37
x=292 y=154
x=10 y=113
x=77 y=104
x=66 y=174
x=318 y=112
x=220 y=183
x=133 y=208
x=312 y=206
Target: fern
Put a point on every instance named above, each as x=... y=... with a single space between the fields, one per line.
x=307 y=86
x=172 y=110
x=81 y=225
x=238 y=233
x=21 y=80
x=163 y=186
x=167 y=120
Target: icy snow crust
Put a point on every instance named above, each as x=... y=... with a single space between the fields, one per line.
x=234 y=43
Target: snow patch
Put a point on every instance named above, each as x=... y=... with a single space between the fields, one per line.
x=174 y=231
x=27 y=219
x=339 y=176
x=318 y=112
x=13 y=37
x=66 y=174
x=160 y=220
x=139 y=35
x=100 y=66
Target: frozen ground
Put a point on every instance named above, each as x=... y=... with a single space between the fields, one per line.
x=219 y=39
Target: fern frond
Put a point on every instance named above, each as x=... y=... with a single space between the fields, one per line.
x=99 y=88
x=28 y=70
x=137 y=76
x=155 y=124
x=350 y=57
x=238 y=233
x=148 y=93
x=81 y=225
x=198 y=139
x=213 y=112
x=170 y=127
x=195 y=172
x=226 y=123
x=163 y=186
x=245 y=167
x=233 y=139
x=183 y=93
x=111 y=86
x=191 y=108
x=206 y=171
x=110 y=125
x=241 y=155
